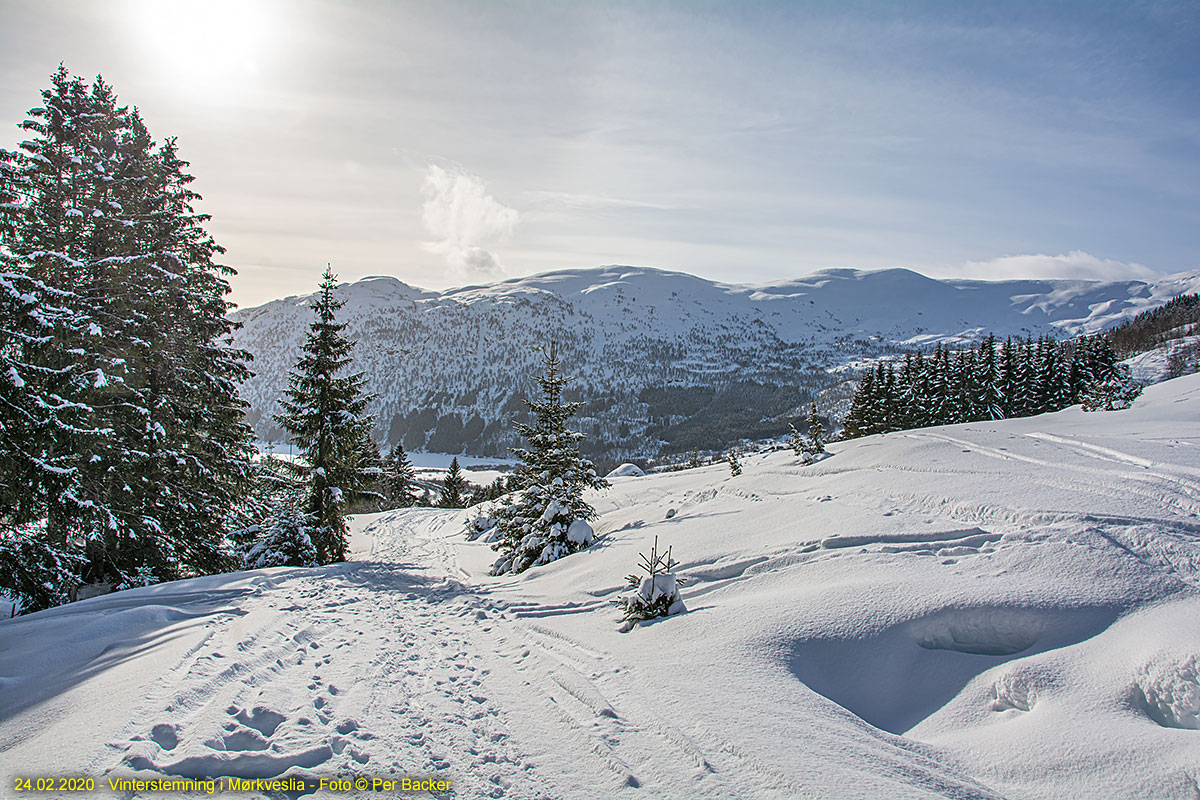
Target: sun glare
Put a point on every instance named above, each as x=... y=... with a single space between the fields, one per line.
x=206 y=41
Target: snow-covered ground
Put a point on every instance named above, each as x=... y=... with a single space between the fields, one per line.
x=1151 y=366
x=428 y=467
x=432 y=467
x=423 y=460
x=985 y=610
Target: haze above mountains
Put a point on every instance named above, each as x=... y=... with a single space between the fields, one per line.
x=666 y=361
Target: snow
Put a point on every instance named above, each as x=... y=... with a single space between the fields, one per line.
x=425 y=460
x=657 y=586
x=627 y=471
x=553 y=509
x=1151 y=366
x=1002 y=609
x=626 y=329
x=580 y=532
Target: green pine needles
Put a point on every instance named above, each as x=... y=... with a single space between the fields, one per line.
x=325 y=413
x=455 y=487
x=993 y=380
x=124 y=456
x=547 y=517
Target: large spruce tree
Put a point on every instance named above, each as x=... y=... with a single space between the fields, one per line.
x=325 y=413
x=137 y=453
x=547 y=518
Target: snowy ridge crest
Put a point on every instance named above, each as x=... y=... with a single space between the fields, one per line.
x=451 y=367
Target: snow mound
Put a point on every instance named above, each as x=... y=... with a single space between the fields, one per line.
x=654 y=587
x=627 y=471
x=1169 y=693
x=1012 y=691
x=580 y=533
x=239 y=764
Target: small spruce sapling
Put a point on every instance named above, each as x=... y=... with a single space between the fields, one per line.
x=656 y=594
x=809 y=447
x=547 y=517
x=735 y=466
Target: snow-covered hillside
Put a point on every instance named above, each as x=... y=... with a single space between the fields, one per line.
x=979 y=611
x=450 y=368
x=1154 y=365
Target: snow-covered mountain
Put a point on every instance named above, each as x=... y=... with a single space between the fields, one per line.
x=664 y=359
x=991 y=611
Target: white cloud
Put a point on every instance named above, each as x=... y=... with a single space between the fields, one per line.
x=463 y=218
x=1075 y=265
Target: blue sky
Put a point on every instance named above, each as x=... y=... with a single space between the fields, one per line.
x=449 y=143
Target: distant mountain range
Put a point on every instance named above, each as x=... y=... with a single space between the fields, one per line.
x=666 y=361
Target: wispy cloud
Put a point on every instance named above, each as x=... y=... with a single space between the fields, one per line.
x=1075 y=265
x=463 y=217
x=575 y=200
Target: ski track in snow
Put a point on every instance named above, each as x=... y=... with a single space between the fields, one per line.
x=387 y=651
x=392 y=684
x=1167 y=542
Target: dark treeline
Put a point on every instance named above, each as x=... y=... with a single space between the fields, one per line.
x=1176 y=319
x=994 y=380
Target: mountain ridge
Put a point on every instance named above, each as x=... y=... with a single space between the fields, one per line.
x=666 y=360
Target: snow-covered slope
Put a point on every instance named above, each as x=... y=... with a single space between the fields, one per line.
x=449 y=368
x=978 y=611
x=1153 y=366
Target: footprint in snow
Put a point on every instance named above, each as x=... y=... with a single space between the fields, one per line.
x=239 y=740
x=263 y=720
x=165 y=736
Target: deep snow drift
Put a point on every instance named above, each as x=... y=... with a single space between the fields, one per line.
x=985 y=610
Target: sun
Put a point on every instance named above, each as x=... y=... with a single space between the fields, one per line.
x=206 y=41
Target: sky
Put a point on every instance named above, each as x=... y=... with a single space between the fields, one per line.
x=449 y=143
